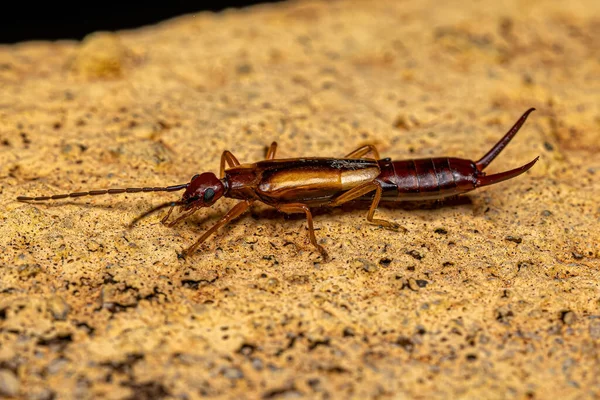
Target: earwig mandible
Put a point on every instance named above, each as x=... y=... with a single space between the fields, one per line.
x=296 y=185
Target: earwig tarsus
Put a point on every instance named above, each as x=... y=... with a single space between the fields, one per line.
x=297 y=184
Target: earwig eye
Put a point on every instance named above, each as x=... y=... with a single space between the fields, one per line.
x=209 y=194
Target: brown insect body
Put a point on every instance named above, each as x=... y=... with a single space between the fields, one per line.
x=436 y=178
x=312 y=181
x=425 y=179
x=297 y=184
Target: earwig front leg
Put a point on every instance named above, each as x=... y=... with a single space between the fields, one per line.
x=360 y=191
x=176 y=220
x=172 y=205
x=294 y=208
x=232 y=214
x=231 y=161
x=167 y=215
x=271 y=151
x=363 y=151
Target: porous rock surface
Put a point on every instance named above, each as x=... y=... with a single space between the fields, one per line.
x=493 y=295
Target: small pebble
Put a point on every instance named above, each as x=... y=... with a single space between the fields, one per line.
x=406 y=343
x=298 y=279
x=93 y=246
x=413 y=285
x=272 y=283
x=415 y=254
x=595 y=330
x=247 y=349
x=9 y=384
x=58 y=307
x=29 y=270
x=514 y=239
x=568 y=317
x=348 y=332
x=57 y=365
x=577 y=256
x=366 y=265
x=257 y=364
x=385 y=262
x=233 y=373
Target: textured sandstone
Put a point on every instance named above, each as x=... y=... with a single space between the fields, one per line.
x=495 y=295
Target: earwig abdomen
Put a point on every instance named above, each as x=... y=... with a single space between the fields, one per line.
x=426 y=178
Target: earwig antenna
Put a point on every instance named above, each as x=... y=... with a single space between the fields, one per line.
x=489 y=157
x=106 y=191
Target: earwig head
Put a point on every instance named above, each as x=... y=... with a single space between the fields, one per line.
x=203 y=191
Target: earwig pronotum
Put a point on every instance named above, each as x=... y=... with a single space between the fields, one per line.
x=295 y=185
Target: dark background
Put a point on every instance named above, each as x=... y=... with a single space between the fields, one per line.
x=22 y=20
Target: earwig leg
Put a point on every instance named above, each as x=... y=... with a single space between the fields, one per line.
x=374 y=205
x=232 y=214
x=363 y=151
x=294 y=208
x=167 y=215
x=231 y=161
x=271 y=151
x=360 y=191
x=176 y=220
x=153 y=210
x=354 y=193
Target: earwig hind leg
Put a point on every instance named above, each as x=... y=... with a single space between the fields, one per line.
x=296 y=208
x=229 y=158
x=271 y=152
x=232 y=214
x=362 y=151
x=386 y=224
x=360 y=191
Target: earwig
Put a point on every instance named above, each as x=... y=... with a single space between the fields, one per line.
x=296 y=185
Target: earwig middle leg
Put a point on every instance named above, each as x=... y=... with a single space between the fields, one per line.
x=294 y=208
x=363 y=151
x=232 y=214
x=360 y=191
x=228 y=157
x=271 y=151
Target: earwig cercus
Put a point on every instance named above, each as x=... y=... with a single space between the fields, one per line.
x=295 y=185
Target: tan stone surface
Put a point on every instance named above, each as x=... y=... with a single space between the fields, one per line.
x=493 y=296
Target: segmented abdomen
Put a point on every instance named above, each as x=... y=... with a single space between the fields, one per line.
x=427 y=178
